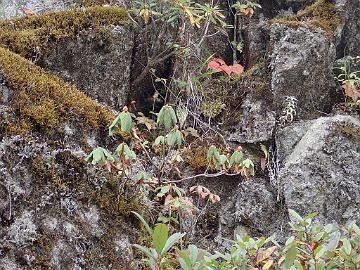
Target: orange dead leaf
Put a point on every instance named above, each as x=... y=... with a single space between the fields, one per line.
x=264 y=254
x=268 y=265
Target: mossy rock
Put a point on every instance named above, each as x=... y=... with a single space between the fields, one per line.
x=319 y=15
x=42 y=101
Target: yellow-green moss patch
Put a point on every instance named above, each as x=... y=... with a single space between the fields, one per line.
x=319 y=15
x=46 y=101
x=28 y=35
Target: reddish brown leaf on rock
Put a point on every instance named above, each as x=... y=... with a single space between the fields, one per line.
x=214 y=65
x=237 y=69
x=226 y=69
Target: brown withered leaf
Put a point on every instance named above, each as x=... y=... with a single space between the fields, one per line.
x=264 y=254
x=351 y=90
x=268 y=265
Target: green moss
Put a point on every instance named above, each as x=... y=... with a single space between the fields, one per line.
x=319 y=15
x=196 y=158
x=212 y=108
x=350 y=131
x=45 y=100
x=31 y=35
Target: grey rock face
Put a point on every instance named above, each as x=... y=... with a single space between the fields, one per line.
x=257 y=122
x=97 y=64
x=255 y=37
x=322 y=172
x=302 y=68
x=349 y=11
x=257 y=208
x=47 y=207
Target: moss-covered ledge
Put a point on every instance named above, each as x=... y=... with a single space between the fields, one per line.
x=44 y=100
x=29 y=35
x=318 y=15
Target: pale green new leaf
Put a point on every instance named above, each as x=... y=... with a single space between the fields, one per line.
x=159 y=140
x=347 y=246
x=182 y=114
x=146 y=225
x=290 y=256
x=144 y=250
x=125 y=122
x=295 y=215
x=236 y=158
x=171 y=241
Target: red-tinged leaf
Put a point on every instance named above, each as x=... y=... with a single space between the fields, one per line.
x=226 y=69
x=214 y=65
x=27 y=11
x=168 y=198
x=220 y=61
x=237 y=69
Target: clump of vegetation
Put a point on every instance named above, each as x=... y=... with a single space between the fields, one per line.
x=350 y=80
x=312 y=246
x=30 y=35
x=319 y=15
x=159 y=165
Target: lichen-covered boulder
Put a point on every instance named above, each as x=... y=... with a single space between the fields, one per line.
x=321 y=174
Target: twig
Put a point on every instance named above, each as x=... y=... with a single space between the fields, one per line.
x=207 y=175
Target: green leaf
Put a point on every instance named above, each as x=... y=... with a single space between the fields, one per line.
x=114 y=125
x=144 y=250
x=182 y=114
x=193 y=253
x=184 y=260
x=211 y=152
x=167 y=117
x=159 y=140
x=319 y=251
x=347 y=246
x=334 y=239
x=298 y=265
x=290 y=256
x=171 y=138
x=295 y=216
x=171 y=241
x=159 y=237
x=146 y=225
x=125 y=122
x=264 y=150
x=99 y=156
x=236 y=158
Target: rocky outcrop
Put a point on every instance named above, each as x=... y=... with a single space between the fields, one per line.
x=301 y=64
x=96 y=62
x=57 y=212
x=91 y=49
x=321 y=172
